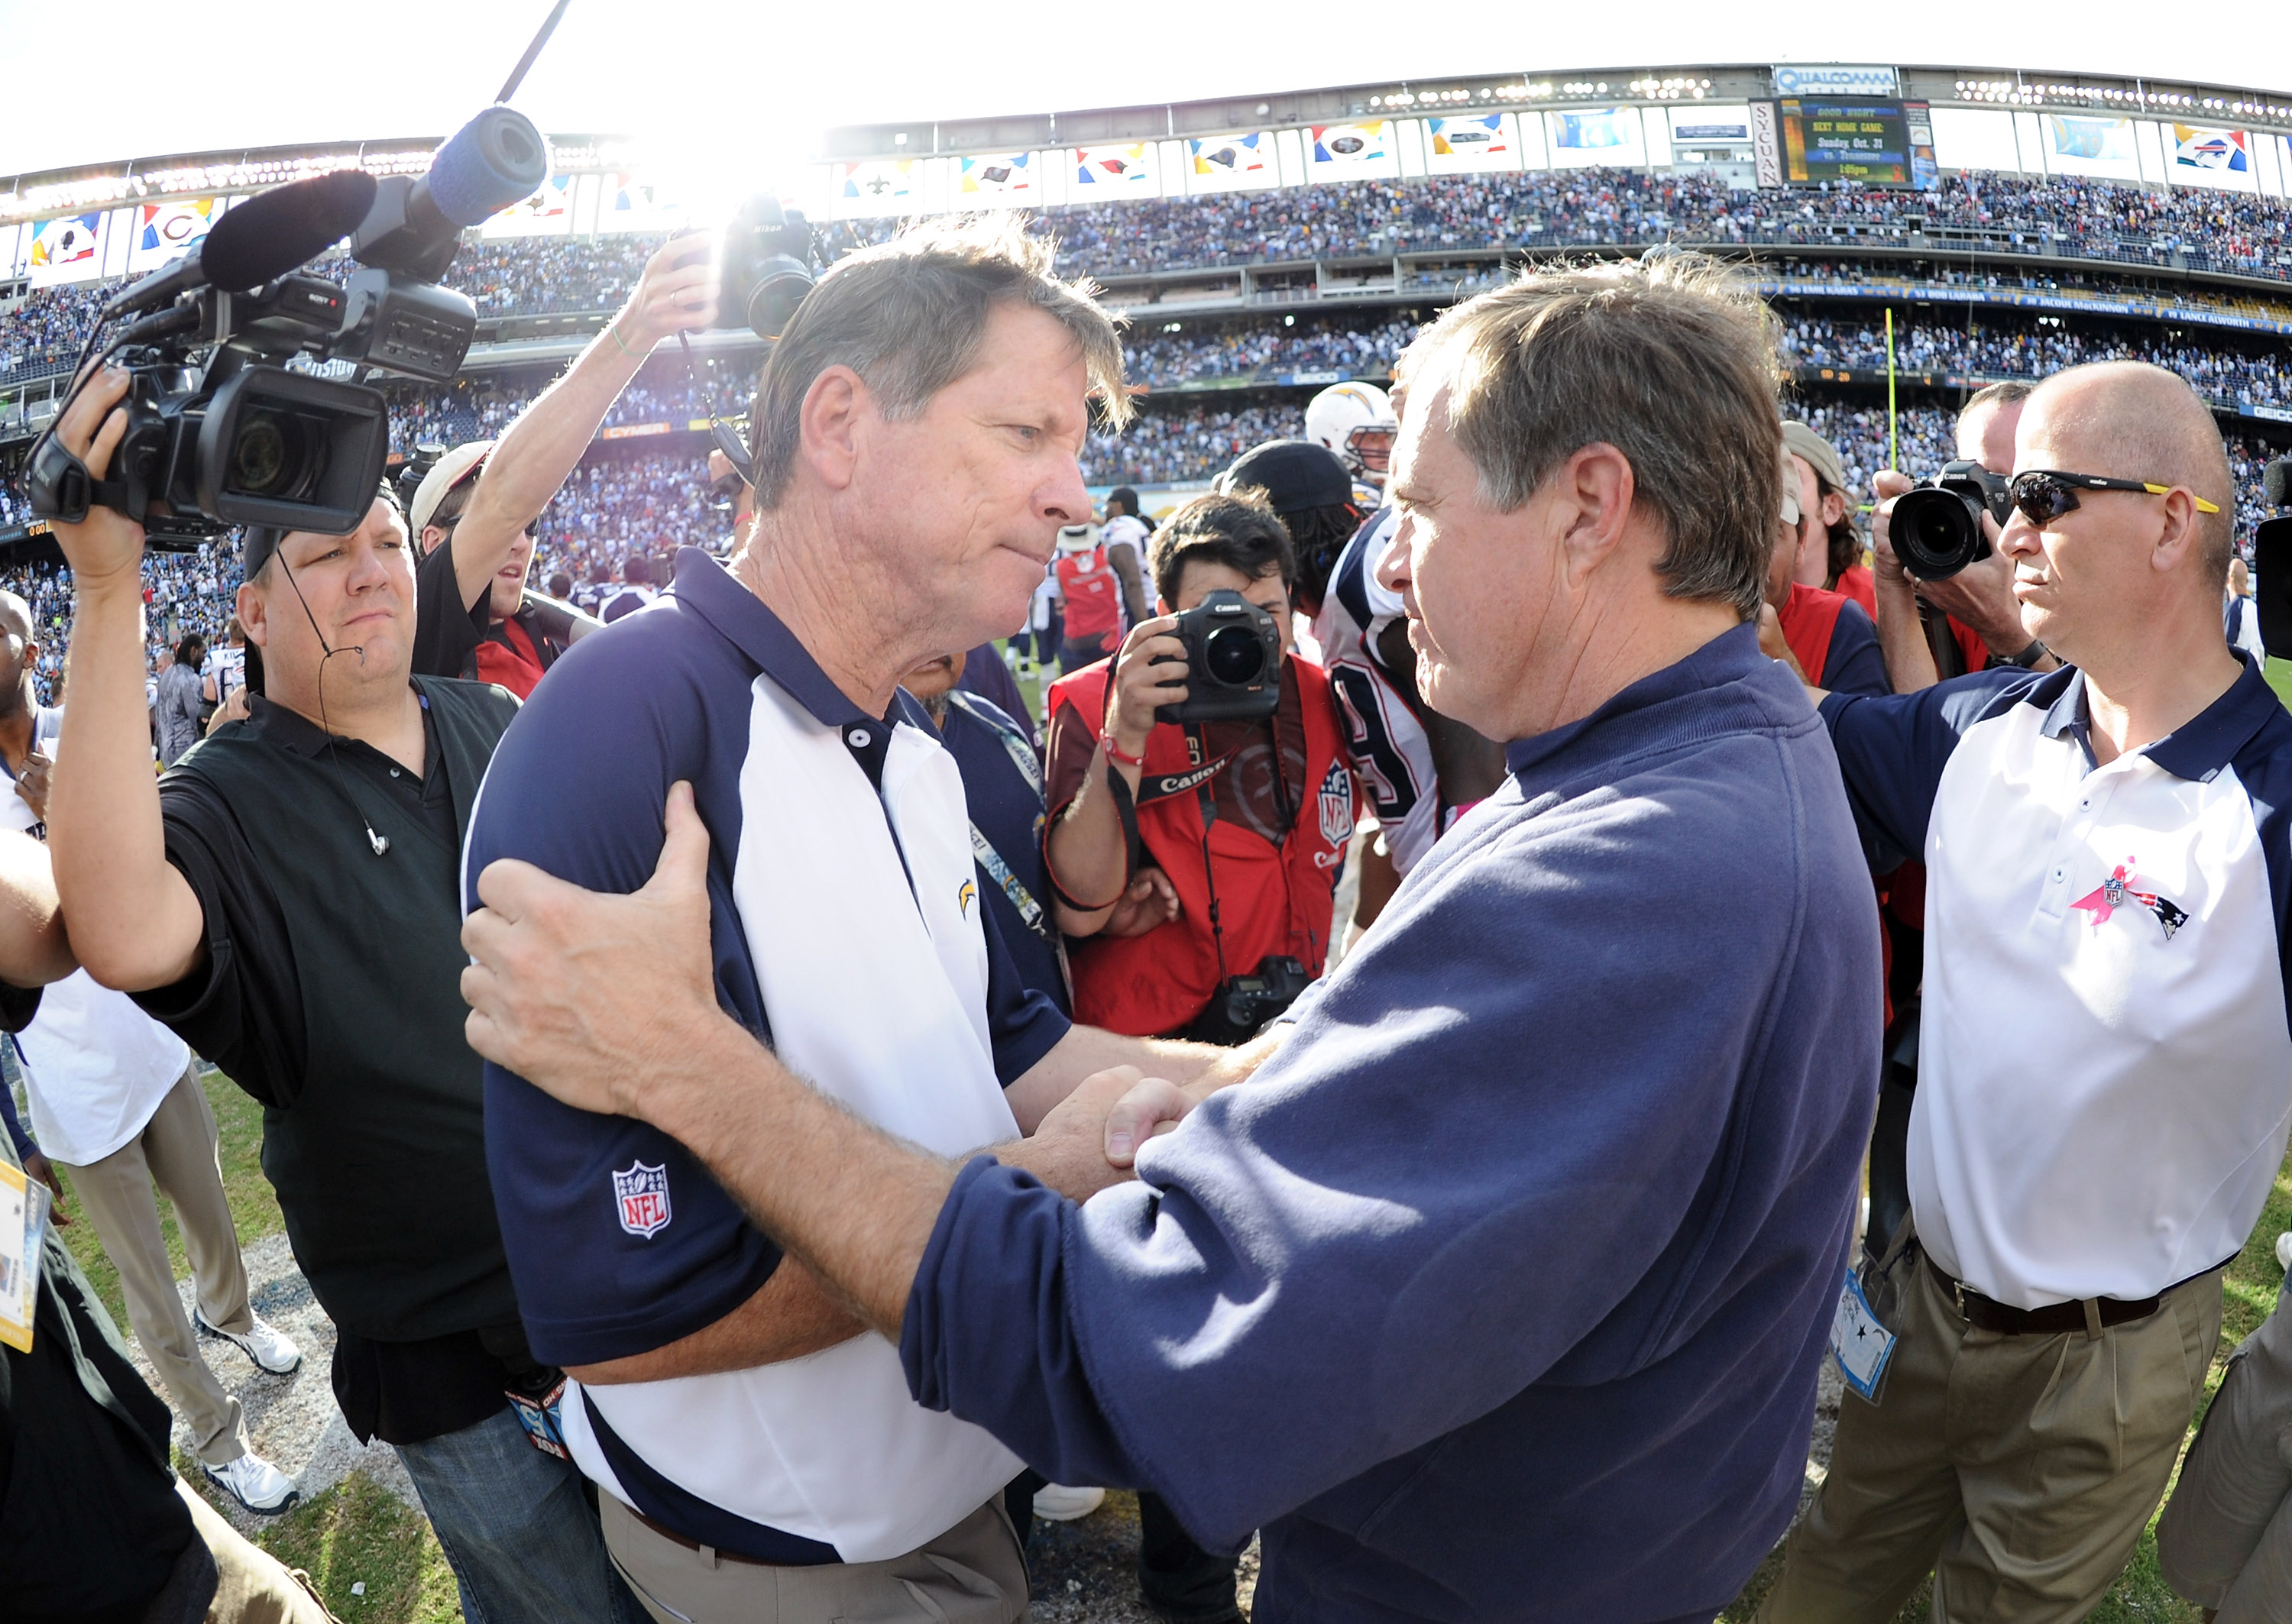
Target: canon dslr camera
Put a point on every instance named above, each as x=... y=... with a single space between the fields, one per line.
x=1242 y=1004
x=1936 y=529
x=1233 y=661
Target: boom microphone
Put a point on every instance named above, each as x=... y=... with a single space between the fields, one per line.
x=494 y=160
x=268 y=235
x=274 y=232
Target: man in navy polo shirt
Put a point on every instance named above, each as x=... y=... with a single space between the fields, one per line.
x=2104 y=1068
x=1499 y=1291
x=916 y=432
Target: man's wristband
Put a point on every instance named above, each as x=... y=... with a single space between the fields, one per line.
x=2029 y=657
x=1115 y=752
x=613 y=331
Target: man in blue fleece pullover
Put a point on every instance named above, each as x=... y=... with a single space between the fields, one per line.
x=1498 y=1288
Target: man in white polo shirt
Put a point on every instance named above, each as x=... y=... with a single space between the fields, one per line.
x=2105 y=1068
x=917 y=433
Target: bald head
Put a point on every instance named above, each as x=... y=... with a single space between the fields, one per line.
x=15 y=616
x=2128 y=420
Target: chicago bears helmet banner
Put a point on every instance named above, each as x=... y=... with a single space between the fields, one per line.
x=167 y=230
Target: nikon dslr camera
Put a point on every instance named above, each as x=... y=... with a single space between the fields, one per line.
x=1936 y=529
x=1233 y=662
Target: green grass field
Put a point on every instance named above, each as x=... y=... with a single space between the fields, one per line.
x=357 y=1533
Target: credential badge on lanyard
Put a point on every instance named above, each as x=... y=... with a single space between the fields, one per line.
x=1861 y=1344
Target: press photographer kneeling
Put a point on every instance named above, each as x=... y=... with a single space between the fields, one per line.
x=1200 y=873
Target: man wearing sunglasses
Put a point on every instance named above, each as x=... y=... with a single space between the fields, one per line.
x=2105 y=1070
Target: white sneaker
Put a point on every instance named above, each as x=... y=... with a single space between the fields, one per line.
x=264 y=1343
x=253 y=1483
x=1057 y=1503
x=2284 y=1252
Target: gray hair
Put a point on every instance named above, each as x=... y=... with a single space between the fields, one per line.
x=908 y=316
x=1670 y=359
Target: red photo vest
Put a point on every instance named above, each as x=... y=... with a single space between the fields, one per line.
x=1270 y=900
x=1092 y=592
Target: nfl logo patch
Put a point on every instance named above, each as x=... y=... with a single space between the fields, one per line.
x=642 y=1195
x=1337 y=800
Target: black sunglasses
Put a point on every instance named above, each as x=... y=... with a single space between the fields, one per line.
x=2044 y=494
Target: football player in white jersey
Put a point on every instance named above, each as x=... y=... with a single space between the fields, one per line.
x=1419 y=770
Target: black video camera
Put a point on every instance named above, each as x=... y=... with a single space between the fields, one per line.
x=1936 y=528
x=2271 y=561
x=1242 y=1004
x=228 y=421
x=765 y=267
x=1233 y=661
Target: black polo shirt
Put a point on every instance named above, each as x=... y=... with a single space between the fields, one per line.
x=329 y=992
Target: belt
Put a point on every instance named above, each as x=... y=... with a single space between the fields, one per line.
x=675 y=1537
x=2090 y=1314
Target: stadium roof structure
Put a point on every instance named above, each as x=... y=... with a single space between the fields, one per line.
x=155 y=177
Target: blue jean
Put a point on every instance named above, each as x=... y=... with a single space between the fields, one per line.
x=517 y=1529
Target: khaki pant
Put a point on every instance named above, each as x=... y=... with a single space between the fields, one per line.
x=973 y=1573
x=2225 y=1540
x=2021 y=1471
x=177 y=1150
x=252 y=1586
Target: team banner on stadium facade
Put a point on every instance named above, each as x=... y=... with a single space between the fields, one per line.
x=2196 y=154
x=1461 y=146
x=2077 y=144
x=548 y=212
x=67 y=249
x=164 y=230
x=879 y=185
x=1597 y=135
x=1351 y=151
x=1115 y=172
x=998 y=180
x=1232 y=163
x=626 y=203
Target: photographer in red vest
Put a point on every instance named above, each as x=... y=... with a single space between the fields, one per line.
x=1092 y=594
x=1193 y=860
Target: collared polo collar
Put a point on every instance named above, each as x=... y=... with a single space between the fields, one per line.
x=294 y=732
x=2197 y=749
x=1729 y=657
x=748 y=623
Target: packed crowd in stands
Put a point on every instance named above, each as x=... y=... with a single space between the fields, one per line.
x=1160 y=447
x=1162 y=359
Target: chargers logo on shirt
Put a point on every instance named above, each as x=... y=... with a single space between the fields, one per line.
x=2124 y=885
x=642 y=1195
x=964 y=898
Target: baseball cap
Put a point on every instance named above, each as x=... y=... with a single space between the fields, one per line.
x=1790 y=491
x=1801 y=441
x=462 y=462
x=1293 y=474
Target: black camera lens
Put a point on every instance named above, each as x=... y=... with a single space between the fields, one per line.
x=1234 y=655
x=275 y=456
x=1937 y=533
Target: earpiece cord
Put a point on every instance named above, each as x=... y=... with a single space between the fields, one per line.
x=380 y=843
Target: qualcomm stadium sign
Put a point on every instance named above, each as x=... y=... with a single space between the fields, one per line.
x=1832 y=80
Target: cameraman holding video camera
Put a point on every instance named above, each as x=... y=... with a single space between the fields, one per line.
x=1199 y=858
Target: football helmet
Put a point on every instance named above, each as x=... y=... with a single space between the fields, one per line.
x=1355 y=421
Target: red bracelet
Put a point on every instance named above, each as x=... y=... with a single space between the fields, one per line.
x=1115 y=752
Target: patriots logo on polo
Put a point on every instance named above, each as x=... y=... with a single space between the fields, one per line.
x=640 y=1193
x=2124 y=885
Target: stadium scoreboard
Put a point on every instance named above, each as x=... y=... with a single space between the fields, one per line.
x=1810 y=139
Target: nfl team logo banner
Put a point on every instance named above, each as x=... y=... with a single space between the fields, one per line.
x=642 y=1195
x=165 y=230
x=1457 y=146
x=1597 y=135
x=548 y=212
x=2200 y=155
x=998 y=178
x=69 y=249
x=1232 y=163
x=1114 y=171
x=2102 y=148
x=1350 y=151
x=879 y=186
x=629 y=203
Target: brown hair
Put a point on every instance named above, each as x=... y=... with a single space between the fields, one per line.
x=908 y=316
x=1670 y=359
x=1240 y=531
